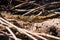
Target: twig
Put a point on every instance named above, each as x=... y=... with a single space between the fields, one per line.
x=35 y=35
x=8 y=30
x=39 y=13
x=20 y=10
x=50 y=11
x=57 y=12
x=23 y=30
x=20 y=30
x=51 y=36
x=53 y=10
x=28 y=12
x=11 y=32
x=20 y=5
x=28 y=32
x=41 y=7
x=4 y=33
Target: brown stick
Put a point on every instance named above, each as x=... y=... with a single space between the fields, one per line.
x=39 y=8
x=20 y=30
x=20 y=10
x=47 y=35
x=20 y=5
x=9 y=30
x=23 y=30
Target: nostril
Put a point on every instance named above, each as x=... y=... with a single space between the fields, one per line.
x=53 y=30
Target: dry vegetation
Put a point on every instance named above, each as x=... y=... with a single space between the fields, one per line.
x=30 y=20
